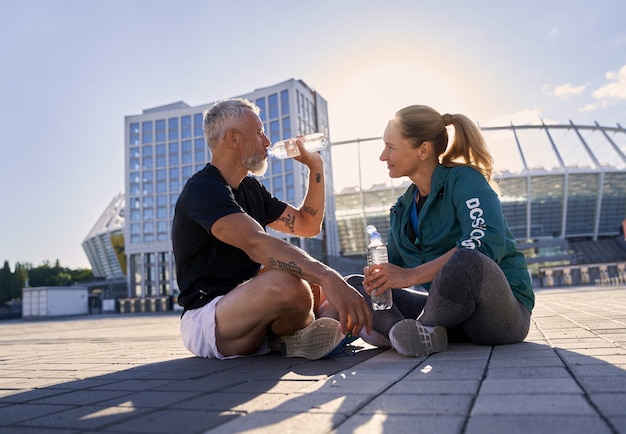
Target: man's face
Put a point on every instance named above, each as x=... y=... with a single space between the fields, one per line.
x=254 y=151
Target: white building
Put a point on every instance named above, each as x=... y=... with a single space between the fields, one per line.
x=165 y=146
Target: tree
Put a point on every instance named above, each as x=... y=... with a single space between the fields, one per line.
x=6 y=284
x=20 y=279
x=11 y=283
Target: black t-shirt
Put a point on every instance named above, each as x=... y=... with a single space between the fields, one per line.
x=205 y=266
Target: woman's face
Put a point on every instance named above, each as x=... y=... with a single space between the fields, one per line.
x=401 y=157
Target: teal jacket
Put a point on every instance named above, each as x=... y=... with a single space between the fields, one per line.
x=461 y=210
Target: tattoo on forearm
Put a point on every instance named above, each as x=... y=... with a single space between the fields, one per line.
x=289 y=267
x=309 y=210
x=318 y=178
x=289 y=221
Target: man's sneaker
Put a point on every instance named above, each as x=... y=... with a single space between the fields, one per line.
x=344 y=347
x=315 y=341
x=410 y=338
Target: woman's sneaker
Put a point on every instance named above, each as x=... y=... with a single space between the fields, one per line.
x=410 y=338
x=317 y=340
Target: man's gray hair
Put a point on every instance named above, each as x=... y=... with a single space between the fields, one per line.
x=224 y=115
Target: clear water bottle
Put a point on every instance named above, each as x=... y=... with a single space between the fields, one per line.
x=288 y=148
x=377 y=254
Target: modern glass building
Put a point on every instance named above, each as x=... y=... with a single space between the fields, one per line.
x=560 y=185
x=165 y=146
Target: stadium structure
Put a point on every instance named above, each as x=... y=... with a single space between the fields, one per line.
x=563 y=193
x=104 y=247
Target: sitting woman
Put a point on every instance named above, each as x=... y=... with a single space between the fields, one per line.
x=448 y=235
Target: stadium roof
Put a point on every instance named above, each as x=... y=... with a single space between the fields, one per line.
x=560 y=148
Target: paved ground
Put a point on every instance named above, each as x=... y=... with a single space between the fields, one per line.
x=130 y=374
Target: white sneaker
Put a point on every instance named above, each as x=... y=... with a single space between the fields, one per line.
x=315 y=341
x=410 y=338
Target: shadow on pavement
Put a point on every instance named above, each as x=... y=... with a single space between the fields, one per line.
x=184 y=395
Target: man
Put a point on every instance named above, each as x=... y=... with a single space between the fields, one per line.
x=220 y=244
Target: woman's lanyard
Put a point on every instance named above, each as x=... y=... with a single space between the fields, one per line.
x=415 y=211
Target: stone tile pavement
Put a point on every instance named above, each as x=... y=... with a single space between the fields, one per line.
x=131 y=374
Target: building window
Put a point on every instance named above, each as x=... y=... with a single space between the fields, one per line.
x=185 y=127
x=146 y=132
x=197 y=125
x=199 y=148
x=275 y=132
x=173 y=154
x=162 y=213
x=284 y=102
x=162 y=227
x=187 y=172
x=260 y=102
x=160 y=160
x=146 y=163
x=287 y=127
x=164 y=273
x=173 y=199
x=174 y=185
x=135 y=272
x=148 y=186
x=134 y=164
x=134 y=133
x=186 y=152
x=159 y=127
x=149 y=274
x=273 y=105
x=148 y=232
x=291 y=188
x=276 y=166
x=173 y=127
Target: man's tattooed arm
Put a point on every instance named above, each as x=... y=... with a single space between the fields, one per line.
x=289 y=267
x=289 y=221
x=309 y=210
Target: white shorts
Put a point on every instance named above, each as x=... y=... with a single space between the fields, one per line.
x=197 y=328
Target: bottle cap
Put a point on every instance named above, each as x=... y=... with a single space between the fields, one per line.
x=373 y=233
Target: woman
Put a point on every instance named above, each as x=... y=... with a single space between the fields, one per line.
x=449 y=235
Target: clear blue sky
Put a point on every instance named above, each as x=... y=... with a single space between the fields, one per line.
x=72 y=69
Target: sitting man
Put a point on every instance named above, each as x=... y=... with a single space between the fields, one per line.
x=232 y=309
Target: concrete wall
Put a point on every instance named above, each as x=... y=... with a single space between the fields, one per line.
x=47 y=301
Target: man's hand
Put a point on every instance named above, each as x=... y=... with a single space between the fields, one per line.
x=354 y=313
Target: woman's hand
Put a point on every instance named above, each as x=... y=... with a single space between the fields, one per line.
x=379 y=278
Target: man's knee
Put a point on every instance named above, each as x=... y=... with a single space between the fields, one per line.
x=355 y=280
x=290 y=292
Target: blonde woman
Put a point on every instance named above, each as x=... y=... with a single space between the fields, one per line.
x=448 y=235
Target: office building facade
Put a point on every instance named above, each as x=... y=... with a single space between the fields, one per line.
x=165 y=146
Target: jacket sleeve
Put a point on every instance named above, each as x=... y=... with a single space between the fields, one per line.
x=478 y=209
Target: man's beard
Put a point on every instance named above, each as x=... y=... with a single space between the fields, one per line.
x=255 y=163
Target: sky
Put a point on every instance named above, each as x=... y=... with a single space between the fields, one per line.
x=71 y=70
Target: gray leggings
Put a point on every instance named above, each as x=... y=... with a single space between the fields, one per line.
x=470 y=297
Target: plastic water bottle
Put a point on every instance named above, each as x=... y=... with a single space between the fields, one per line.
x=377 y=254
x=288 y=148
